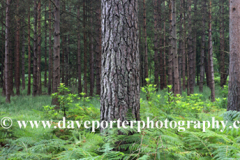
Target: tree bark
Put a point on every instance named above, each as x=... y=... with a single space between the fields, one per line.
x=212 y=84
x=29 y=53
x=50 y=66
x=35 y=84
x=145 y=41
x=39 y=91
x=56 y=51
x=7 y=56
x=45 y=57
x=23 y=54
x=79 y=54
x=234 y=66
x=202 y=48
x=17 y=54
x=85 y=47
x=156 y=50
x=222 y=47
x=120 y=93
x=170 y=53
x=176 y=87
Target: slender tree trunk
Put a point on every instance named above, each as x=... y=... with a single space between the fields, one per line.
x=17 y=55
x=56 y=51
x=211 y=55
x=202 y=48
x=184 y=48
x=156 y=50
x=176 y=88
x=222 y=47
x=50 y=66
x=91 y=53
x=35 y=84
x=79 y=54
x=85 y=47
x=45 y=57
x=29 y=53
x=39 y=92
x=145 y=41
x=234 y=66
x=160 y=54
x=23 y=53
x=170 y=53
x=7 y=75
x=3 y=58
x=99 y=51
x=120 y=94
x=164 y=50
x=191 y=77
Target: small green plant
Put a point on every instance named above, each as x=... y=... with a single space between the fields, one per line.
x=149 y=89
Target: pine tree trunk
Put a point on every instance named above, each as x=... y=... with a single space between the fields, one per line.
x=79 y=54
x=85 y=47
x=176 y=89
x=202 y=48
x=7 y=56
x=234 y=66
x=222 y=48
x=17 y=54
x=156 y=50
x=50 y=66
x=23 y=54
x=39 y=92
x=145 y=41
x=184 y=48
x=212 y=84
x=91 y=53
x=56 y=51
x=29 y=53
x=170 y=53
x=99 y=50
x=120 y=94
x=35 y=84
x=45 y=57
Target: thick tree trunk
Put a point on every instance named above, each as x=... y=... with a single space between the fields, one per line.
x=17 y=54
x=7 y=56
x=202 y=48
x=145 y=41
x=234 y=66
x=29 y=53
x=120 y=93
x=50 y=66
x=39 y=91
x=56 y=50
x=212 y=84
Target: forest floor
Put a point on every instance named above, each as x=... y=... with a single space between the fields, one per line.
x=56 y=143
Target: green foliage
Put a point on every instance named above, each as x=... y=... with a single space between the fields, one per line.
x=81 y=143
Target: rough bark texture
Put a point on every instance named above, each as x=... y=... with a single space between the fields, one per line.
x=184 y=49
x=202 y=48
x=212 y=84
x=56 y=50
x=91 y=53
x=45 y=50
x=6 y=72
x=170 y=53
x=120 y=91
x=50 y=66
x=234 y=66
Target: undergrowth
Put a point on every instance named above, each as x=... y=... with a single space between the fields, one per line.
x=165 y=143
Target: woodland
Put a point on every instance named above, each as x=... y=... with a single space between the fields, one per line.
x=127 y=60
